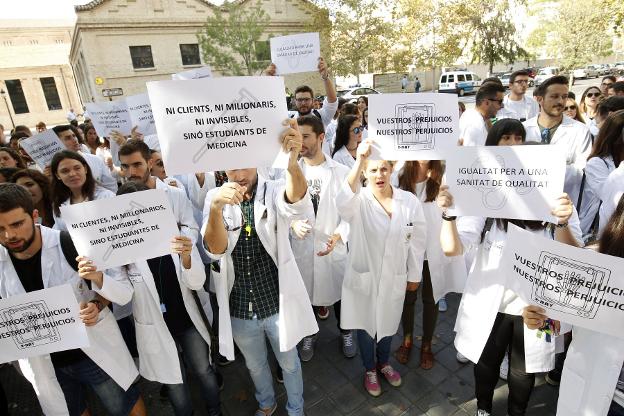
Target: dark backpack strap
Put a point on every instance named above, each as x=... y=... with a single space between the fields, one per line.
x=580 y=199
x=316 y=113
x=214 y=340
x=69 y=250
x=487 y=227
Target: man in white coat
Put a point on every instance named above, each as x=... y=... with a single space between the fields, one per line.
x=517 y=104
x=259 y=287
x=33 y=258
x=320 y=243
x=612 y=192
x=551 y=126
x=475 y=123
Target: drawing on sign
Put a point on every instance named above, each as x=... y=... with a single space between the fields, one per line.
x=415 y=123
x=31 y=323
x=569 y=286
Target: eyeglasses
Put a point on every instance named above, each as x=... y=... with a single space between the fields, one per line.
x=593 y=94
x=357 y=130
x=521 y=81
x=569 y=108
x=492 y=99
x=303 y=100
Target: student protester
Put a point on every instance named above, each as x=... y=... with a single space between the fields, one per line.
x=169 y=322
x=39 y=187
x=9 y=158
x=387 y=236
x=6 y=174
x=517 y=104
x=612 y=192
x=607 y=82
x=475 y=123
x=259 y=287
x=588 y=106
x=348 y=137
x=571 y=110
x=34 y=259
x=22 y=129
x=158 y=170
x=101 y=173
x=41 y=127
x=617 y=89
x=462 y=108
x=362 y=103
x=319 y=245
x=551 y=127
x=606 y=107
x=330 y=130
x=15 y=139
x=329 y=143
x=489 y=321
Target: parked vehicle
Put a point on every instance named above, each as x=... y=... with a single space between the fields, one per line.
x=352 y=94
x=545 y=73
x=505 y=79
x=459 y=82
x=589 y=71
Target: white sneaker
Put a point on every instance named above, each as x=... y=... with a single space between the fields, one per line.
x=504 y=368
x=461 y=358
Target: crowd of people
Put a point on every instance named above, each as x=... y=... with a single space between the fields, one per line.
x=262 y=254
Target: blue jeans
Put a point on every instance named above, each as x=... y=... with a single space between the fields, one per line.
x=616 y=410
x=249 y=335
x=74 y=377
x=195 y=354
x=367 y=350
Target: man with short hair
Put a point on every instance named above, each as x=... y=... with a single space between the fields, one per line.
x=404 y=82
x=319 y=243
x=551 y=127
x=475 y=123
x=617 y=89
x=516 y=104
x=607 y=81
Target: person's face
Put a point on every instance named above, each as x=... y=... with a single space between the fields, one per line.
x=510 y=140
x=7 y=161
x=378 y=173
x=461 y=110
x=158 y=167
x=520 y=84
x=361 y=104
x=553 y=101
x=40 y=129
x=243 y=177
x=365 y=115
x=92 y=137
x=72 y=173
x=33 y=187
x=494 y=104
x=304 y=102
x=14 y=144
x=311 y=142
x=571 y=109
x=611 y=92
x=604 y=86
x=69 y=139
x=355 y=134
x=17 y=229
x=136 y=168
x=592 y=97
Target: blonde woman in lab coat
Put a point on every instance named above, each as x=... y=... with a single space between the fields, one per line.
x=386 y=249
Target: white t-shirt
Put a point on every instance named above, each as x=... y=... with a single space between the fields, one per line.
x=315 y=175
x=522 y=110
x=472 y=128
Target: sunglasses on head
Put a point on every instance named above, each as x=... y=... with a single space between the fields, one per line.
x=357 y=130
x=593 y=94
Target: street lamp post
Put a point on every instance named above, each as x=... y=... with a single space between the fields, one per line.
x=4 y=94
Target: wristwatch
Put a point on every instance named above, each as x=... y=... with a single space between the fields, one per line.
x=448 y=217
x=564 y=225
x=97 y=303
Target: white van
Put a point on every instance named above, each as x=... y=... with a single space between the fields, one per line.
x=545 y=73
x=459 y=82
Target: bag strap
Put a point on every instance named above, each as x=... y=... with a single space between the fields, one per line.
x=214 y=340
x=69 y=250
x=580 y=199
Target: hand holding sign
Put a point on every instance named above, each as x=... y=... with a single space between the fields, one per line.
x=135 y=134
x=563 y=209
x=88 y=270
x=183 y=246
x=89 y=313
x=322 y=68
x=444 y=199
x=364 y=150
x=292 y=141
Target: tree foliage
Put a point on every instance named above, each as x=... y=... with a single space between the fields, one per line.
x=229 y=40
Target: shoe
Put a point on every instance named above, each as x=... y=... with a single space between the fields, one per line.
x=222 y=361
x=390 y=374
x=322 y=312
x=266 y=412
x=307 y=348
x=426 y=356
x=442 y=305
x=348 y=346
x=482 y=413
x=504 y=368
x=461 y=358
x=402 y=355
x=371 y=383
x=279 y=375
x=552 y=380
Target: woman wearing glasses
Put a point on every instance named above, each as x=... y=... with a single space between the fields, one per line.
x=589 y=103
x=571 y=110
x=348 y=137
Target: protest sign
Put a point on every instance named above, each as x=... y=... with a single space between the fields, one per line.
x=40 y=322
x=141 y=113
x=218 y=123
x=203 y=72
x=42 y=147
x=576 y=286
x=296 y=53
x=413 y=126
x=120 y=230
x=516 y=182
x=107 y=116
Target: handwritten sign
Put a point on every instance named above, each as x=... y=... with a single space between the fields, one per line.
x=296 y=53
x=42 y=147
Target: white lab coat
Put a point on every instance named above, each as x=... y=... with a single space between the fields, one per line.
x=182 y=210
x=101 y=173
x=343 y=156
x=611 y=193
x=107 y=348
x=590 y=374
x=98 y=193
x=158 y=355
x=574 y=136
x=597 y=171
x=379 y=267
x=272 y=218
x=323 y=275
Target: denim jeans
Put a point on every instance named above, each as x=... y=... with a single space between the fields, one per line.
x=249 y=335
x=74 y=378
x=194 y=353
x=616 y=410
x=367 y=350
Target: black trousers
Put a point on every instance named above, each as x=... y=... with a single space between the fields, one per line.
x=507 y=332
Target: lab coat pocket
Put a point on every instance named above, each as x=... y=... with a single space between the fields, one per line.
x=147 y=338
x=360 y=283
x=399 y=285
x=574 y=387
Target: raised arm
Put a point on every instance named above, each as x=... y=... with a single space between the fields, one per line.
x=296 y=184
x=449 y=236
x=330 y=88
x=363 y=152
x=215 y=236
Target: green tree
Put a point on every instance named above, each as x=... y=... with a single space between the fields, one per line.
x=230 y=40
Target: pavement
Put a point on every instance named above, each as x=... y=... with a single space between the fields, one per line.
x=333 y=385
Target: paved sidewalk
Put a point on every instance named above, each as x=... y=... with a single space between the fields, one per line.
x=334 y=385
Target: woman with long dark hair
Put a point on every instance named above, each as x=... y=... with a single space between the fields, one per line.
x=348 y=137
x=10 y=158
x=38 y=185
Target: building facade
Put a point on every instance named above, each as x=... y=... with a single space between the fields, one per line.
x=126 y=43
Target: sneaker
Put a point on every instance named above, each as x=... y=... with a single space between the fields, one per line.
x=307 y=348
x=322 y=312
x=279 y=375
x=348 y=346
x=371 y=383
x=504 y=368
x=391 y=375
x=482 y=413
x=461 y=358
x=551 y=379
x=266 y=412
x=442 y=305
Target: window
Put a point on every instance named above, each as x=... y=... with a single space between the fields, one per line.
x=461 y=78
x=190 y=54
x=16 y=94
x=451 y=78
x=369 y=91
x=141 y=57
x=443 y=80
x=263 y=50
x=51 y=93
x=468 y=77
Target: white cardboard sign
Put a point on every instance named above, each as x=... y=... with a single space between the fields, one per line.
x=296 y=53
x=422 y=126
x=141 y=115
x=122 y=115
x=515 y=182
x=203 y=72
x=576 y=286
x=42 y=147
x=218 y=123
x=40 y=322
x=120 y=230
